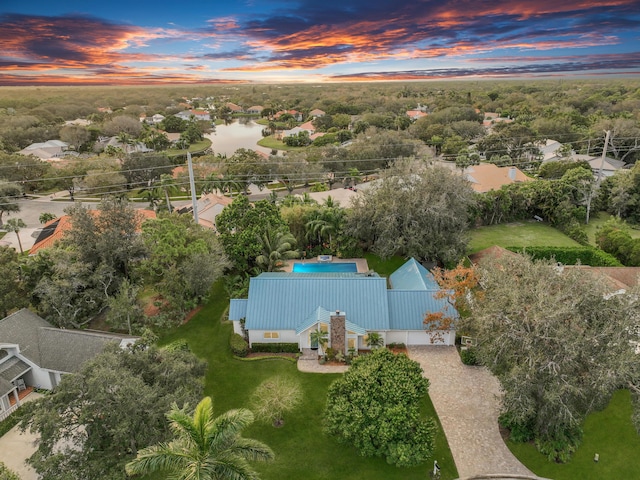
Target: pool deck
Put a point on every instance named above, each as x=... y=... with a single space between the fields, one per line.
x=361 y=263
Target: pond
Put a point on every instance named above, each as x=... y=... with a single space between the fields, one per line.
x=242 y=132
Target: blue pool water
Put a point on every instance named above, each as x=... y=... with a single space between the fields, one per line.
x=324 y=267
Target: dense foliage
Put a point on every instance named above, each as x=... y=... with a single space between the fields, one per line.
x=571 y=255
x=418 y=213
x=98 y=418
x=559 y=342
x=375 y=407
x=614 y=238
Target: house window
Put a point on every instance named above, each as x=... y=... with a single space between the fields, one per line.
x=351 y=343
x=271 y=335
x=324 y=327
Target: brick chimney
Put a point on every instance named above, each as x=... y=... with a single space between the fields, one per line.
x=338 y=332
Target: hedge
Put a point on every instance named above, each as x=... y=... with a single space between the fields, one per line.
x=239 y=345
x=275 y=347
x=591 y=256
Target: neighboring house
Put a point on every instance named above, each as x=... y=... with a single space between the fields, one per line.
x=197 y=114
x=255 y=110
x=491 y=118
x=551 y=151
x=308 y=126
x=137 y=147
x=316 y=112
x=234 y=108
x=153 y=120
x=54 y=230
x=209 y=207
x=415 y=114
x=287 y=307
x=292 y=132
x=609 y=166
x=33 y=353
x=294 y=113
x=487 y=176
x=47 y=150
x=82 y=122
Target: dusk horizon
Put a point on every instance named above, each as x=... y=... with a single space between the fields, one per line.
x=289 y=42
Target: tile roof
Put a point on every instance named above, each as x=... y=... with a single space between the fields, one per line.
x=487 y=176
x=55 y=229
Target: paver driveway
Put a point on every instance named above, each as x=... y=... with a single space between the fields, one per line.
x=467 y=402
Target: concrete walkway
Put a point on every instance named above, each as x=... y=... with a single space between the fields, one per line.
x=16 y=447
x=467 y=402
x=308 y=362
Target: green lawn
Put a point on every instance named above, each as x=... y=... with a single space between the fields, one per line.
x=519 y=234
x=597 y=221
x=609 y=433
x=193 y=148
x=300 y=446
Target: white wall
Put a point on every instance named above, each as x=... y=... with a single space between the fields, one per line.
x=237 y=328
x=286 y=336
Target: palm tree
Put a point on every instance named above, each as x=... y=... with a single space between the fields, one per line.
x=375 y=340
x=46 y=217
x=277 y=246
x=205 y=447
x=14 y=225
x=319 y=337
x=168 y=185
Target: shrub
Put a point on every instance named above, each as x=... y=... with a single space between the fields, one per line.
x=518 y=431
x=330 y=353
x=239 y=346
x=375 y=406
x=571 y=255
x=561 y=447
x=468 y=356
x=178 y=345
x=275 y=347
x=6 y=474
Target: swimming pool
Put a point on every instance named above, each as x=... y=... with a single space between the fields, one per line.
x=325 y=267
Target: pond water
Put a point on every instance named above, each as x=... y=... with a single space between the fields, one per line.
x=242 y=132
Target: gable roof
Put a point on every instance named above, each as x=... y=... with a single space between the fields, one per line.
x=413 y=276
x=209 y=207
x=52 y=348
x=282 y=301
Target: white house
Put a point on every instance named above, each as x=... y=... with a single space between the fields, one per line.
x=33 y=353
x=287 y=307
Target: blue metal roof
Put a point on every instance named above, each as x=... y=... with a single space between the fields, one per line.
x=413 y=276
x=283 y=301
x=238 y=308
x=407 y=308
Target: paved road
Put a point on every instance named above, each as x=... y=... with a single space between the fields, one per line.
x=467 y=400
x=31 y=208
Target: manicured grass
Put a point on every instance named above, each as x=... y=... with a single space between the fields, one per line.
x=384 y=267
x=271 y=142
x=597 y=221
x=609 y=433
x=193 y=148
x=302 y=450
x=520 y=234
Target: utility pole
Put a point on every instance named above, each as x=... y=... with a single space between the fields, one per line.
x=599 y=177
x=192 y=183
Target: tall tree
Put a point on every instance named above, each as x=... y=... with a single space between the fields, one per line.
x=204 y=447
x=424 y=214
x=98 y=419
x=12 y=290
x=241 y=224
x=558 y=342
x=15 y=225
x=9 y=193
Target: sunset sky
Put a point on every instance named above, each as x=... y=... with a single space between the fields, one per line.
x=196 y=41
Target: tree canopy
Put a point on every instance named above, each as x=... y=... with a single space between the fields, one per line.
x=558 y=341
x=423 y=214
x=98 y=419
x=375 y=407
